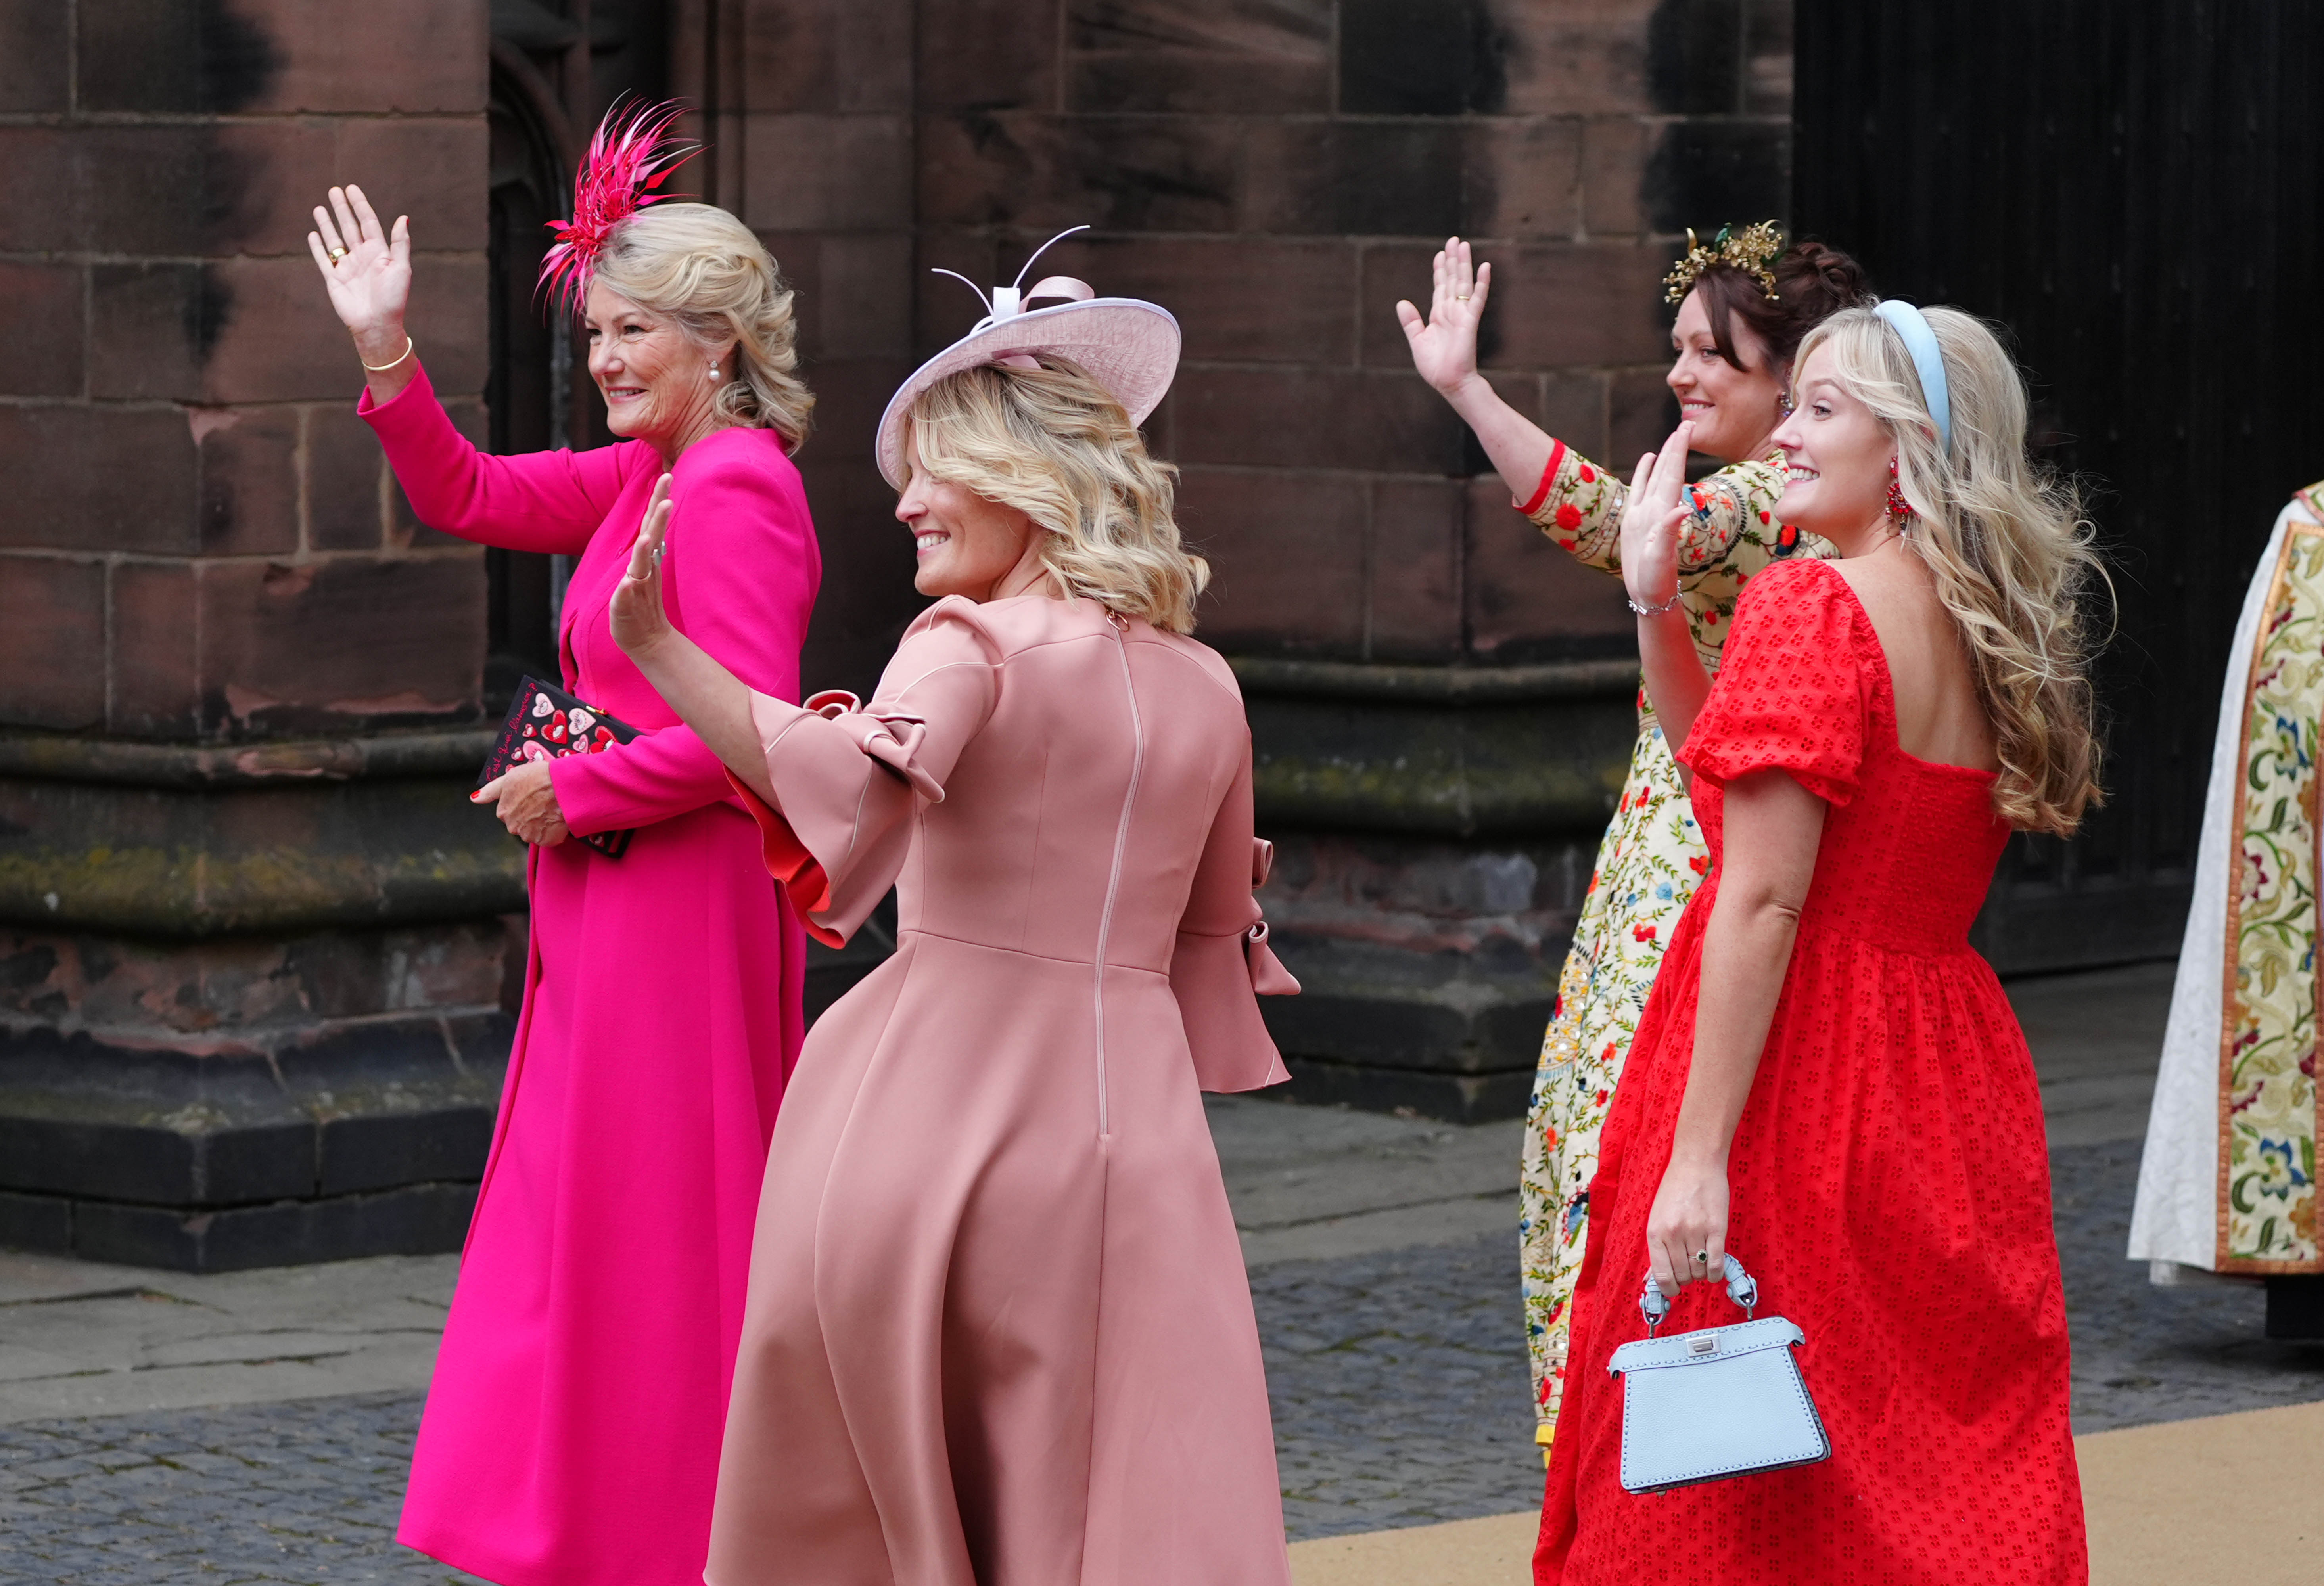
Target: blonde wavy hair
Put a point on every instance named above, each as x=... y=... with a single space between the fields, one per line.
x=1055 y=444
x=2006 y=542
x=698 y=265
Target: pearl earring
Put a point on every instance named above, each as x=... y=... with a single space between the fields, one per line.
x=714 y=374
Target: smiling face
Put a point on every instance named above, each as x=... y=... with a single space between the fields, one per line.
x=654 y=377
x=1731 y=409
x=1838 y=480
x=966 y=545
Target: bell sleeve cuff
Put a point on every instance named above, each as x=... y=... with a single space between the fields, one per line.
x=1218 y=978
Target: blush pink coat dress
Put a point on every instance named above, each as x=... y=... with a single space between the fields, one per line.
x=1000 y=1332
x=572 y=1429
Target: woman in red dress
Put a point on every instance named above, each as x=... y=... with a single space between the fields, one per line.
x=1827 y=1081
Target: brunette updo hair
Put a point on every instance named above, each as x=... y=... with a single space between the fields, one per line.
x=1812 y=284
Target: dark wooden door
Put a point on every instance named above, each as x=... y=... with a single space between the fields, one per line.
x=2133 y=188
x=556 y=66
x=527 y=391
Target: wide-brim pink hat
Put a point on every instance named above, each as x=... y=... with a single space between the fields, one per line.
x=1129 y=346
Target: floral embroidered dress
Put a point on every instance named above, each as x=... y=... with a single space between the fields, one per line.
x=1649 y=864
x=2227 y=1183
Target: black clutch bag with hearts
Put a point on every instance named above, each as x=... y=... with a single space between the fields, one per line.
x=546 y=722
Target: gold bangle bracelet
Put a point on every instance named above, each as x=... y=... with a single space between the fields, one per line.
x=392 y=362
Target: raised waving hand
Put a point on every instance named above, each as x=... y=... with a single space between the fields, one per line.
x=1657 y=511
x=1651 y=520
x=1444 y=344
x=707 y=697
x=367 y=270
x=640 y=620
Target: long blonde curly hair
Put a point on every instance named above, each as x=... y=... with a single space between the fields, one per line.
x=707 y=270
x=2006 y=542
x=1055 y=445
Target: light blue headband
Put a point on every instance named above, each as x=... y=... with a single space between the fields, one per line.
x=1921 y=343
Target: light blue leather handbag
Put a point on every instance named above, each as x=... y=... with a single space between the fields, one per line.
x=1720 y=1402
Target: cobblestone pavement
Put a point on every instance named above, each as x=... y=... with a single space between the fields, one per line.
x=1399 y=1388
x=1399 y=1397
x=2143 y=1354
x=303 y=1492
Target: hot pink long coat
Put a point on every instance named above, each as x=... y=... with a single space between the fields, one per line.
x=1000 y=1332
x=572 y=1430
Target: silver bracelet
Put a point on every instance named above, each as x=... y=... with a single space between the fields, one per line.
x=1651 y=610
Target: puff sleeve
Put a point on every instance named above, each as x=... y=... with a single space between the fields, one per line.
x=1793 y=695
x=849 y=779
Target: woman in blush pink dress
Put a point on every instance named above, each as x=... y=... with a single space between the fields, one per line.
x=999 y=1328
x=572 y=1429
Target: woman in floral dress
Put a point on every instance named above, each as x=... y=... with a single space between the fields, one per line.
x=1745 y=300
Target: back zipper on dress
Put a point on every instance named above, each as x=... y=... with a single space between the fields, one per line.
x=1121 y=846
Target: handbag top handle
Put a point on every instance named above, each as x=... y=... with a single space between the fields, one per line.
x=1741 y=1287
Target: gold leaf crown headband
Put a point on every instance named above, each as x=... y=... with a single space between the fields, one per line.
x=1750 y=250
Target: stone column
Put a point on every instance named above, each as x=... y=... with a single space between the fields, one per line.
x=809 y=109
x=250 y=969
x=1441 y=700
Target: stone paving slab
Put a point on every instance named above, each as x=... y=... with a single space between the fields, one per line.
x=2096 y=1038
x=1327 y=1182
x=82 y=1338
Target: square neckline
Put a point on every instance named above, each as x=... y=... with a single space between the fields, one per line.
x=1887 y=684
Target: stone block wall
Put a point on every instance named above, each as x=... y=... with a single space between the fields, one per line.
x=810 y=119
x=252 y=975
x=251 y=962
x=1278 y=177
x=201 y=540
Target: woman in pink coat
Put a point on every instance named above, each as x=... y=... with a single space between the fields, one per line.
x=999 y=1328
x=572 y=1430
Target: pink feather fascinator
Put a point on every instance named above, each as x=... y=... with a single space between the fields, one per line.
x=630 y=157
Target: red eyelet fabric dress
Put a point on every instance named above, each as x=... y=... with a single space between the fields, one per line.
x=1889 y=1180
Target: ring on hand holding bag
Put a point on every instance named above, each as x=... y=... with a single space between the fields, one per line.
x=1715 y=1403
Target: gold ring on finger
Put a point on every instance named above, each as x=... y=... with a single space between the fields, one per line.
x=1461 y=297
x=337 y=255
